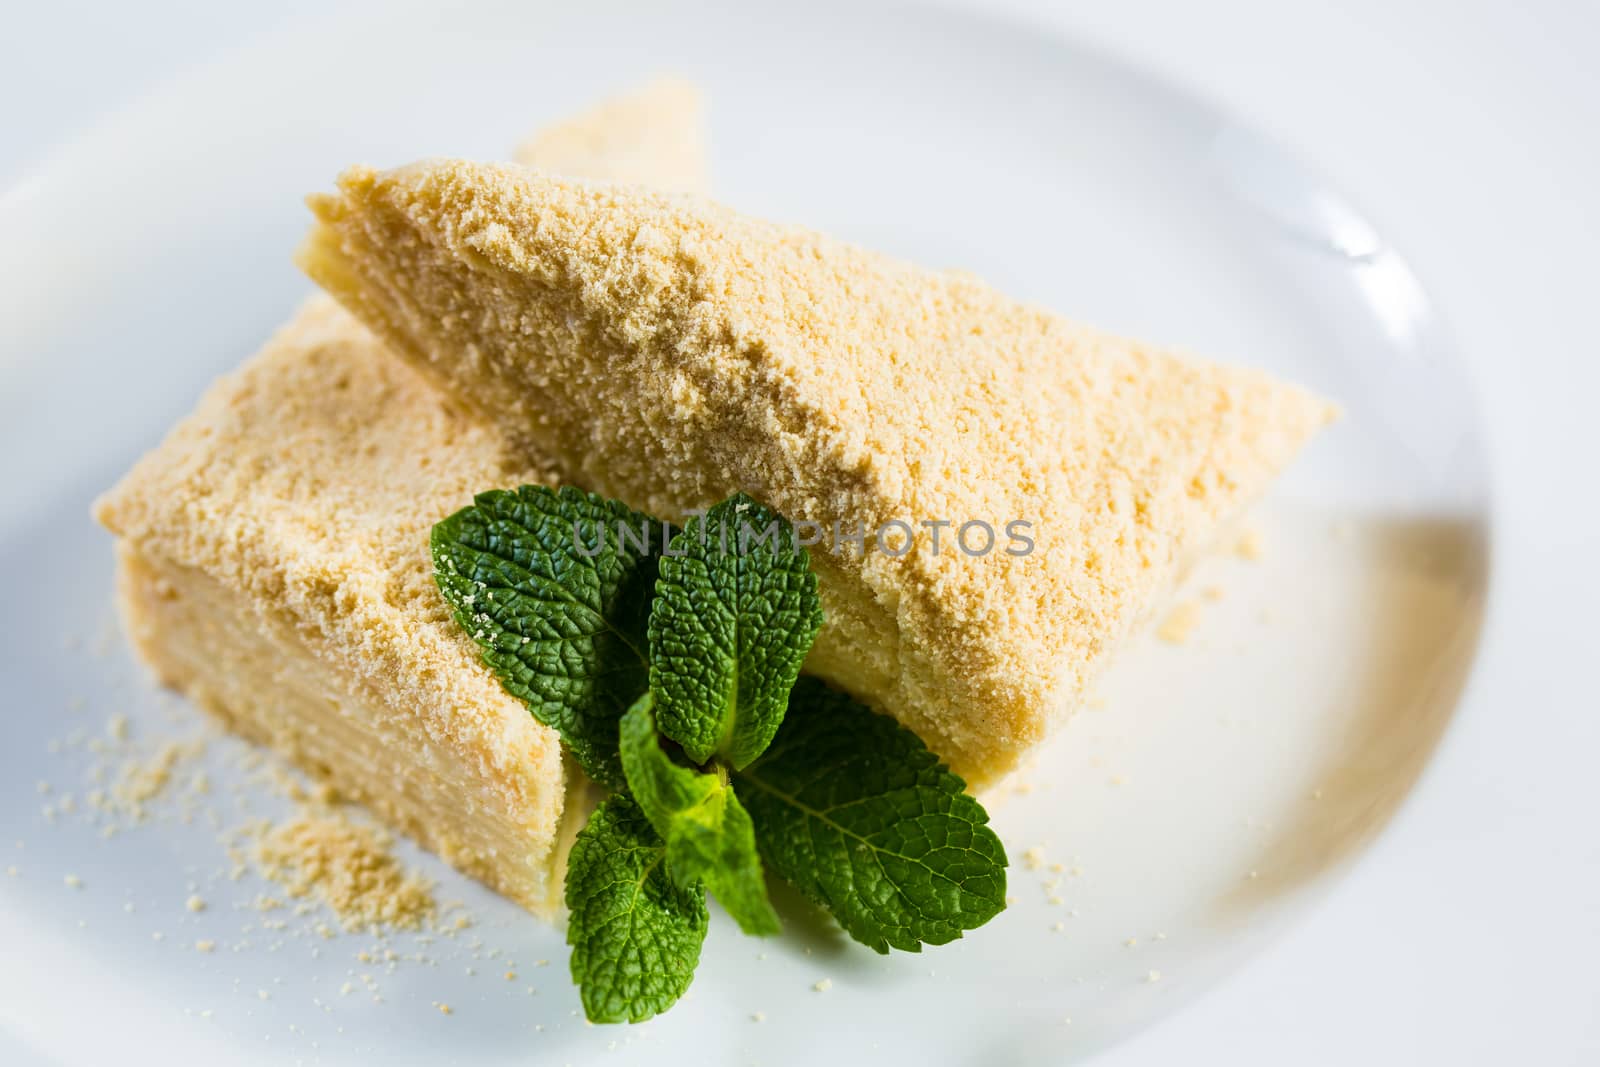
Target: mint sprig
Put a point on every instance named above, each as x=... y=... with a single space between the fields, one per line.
x=736 y=611
x=556 y=591
x=671 y=674
x=853 y=811
x=710 y=838
x=635 y=934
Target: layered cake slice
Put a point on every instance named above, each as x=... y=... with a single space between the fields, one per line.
x=273 y=565
x=667 y=351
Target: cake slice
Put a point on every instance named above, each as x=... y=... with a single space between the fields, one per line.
x=653 y=137
x=273 y=565
x=668 y=351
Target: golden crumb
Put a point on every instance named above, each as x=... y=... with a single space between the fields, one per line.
x=205 y=946
x=1180 y=623
x=143 y=780
x=195 y=903
x=444 y=1009
x=348 y=866
x=1249 y=544
x=1033 y=858
x=823 y=986
x=73 y=881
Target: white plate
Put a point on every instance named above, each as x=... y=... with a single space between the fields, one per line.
x=1218 y=791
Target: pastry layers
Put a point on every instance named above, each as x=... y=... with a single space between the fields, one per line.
x=667 y=351
x=273 y=565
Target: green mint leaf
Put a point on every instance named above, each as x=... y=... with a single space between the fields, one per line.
x=708 y=833
x=735 y=613
x=635 y=936
x=858 y=815
x=562 y=627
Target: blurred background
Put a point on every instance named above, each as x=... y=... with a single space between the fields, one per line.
x=1470 y=133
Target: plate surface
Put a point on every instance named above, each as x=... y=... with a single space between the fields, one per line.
x=1156 y=842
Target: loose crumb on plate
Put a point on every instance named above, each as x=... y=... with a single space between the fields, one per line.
x=1179 y=624
x=1249 y=544
x=347 y=865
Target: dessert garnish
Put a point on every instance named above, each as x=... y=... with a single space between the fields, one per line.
x=668 y=659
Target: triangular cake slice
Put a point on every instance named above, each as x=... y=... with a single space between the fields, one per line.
x=668 y=351
x=273 y=565
x=653 y=136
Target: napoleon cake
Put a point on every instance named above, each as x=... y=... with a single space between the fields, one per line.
x=667 y=351
x=273 y=562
